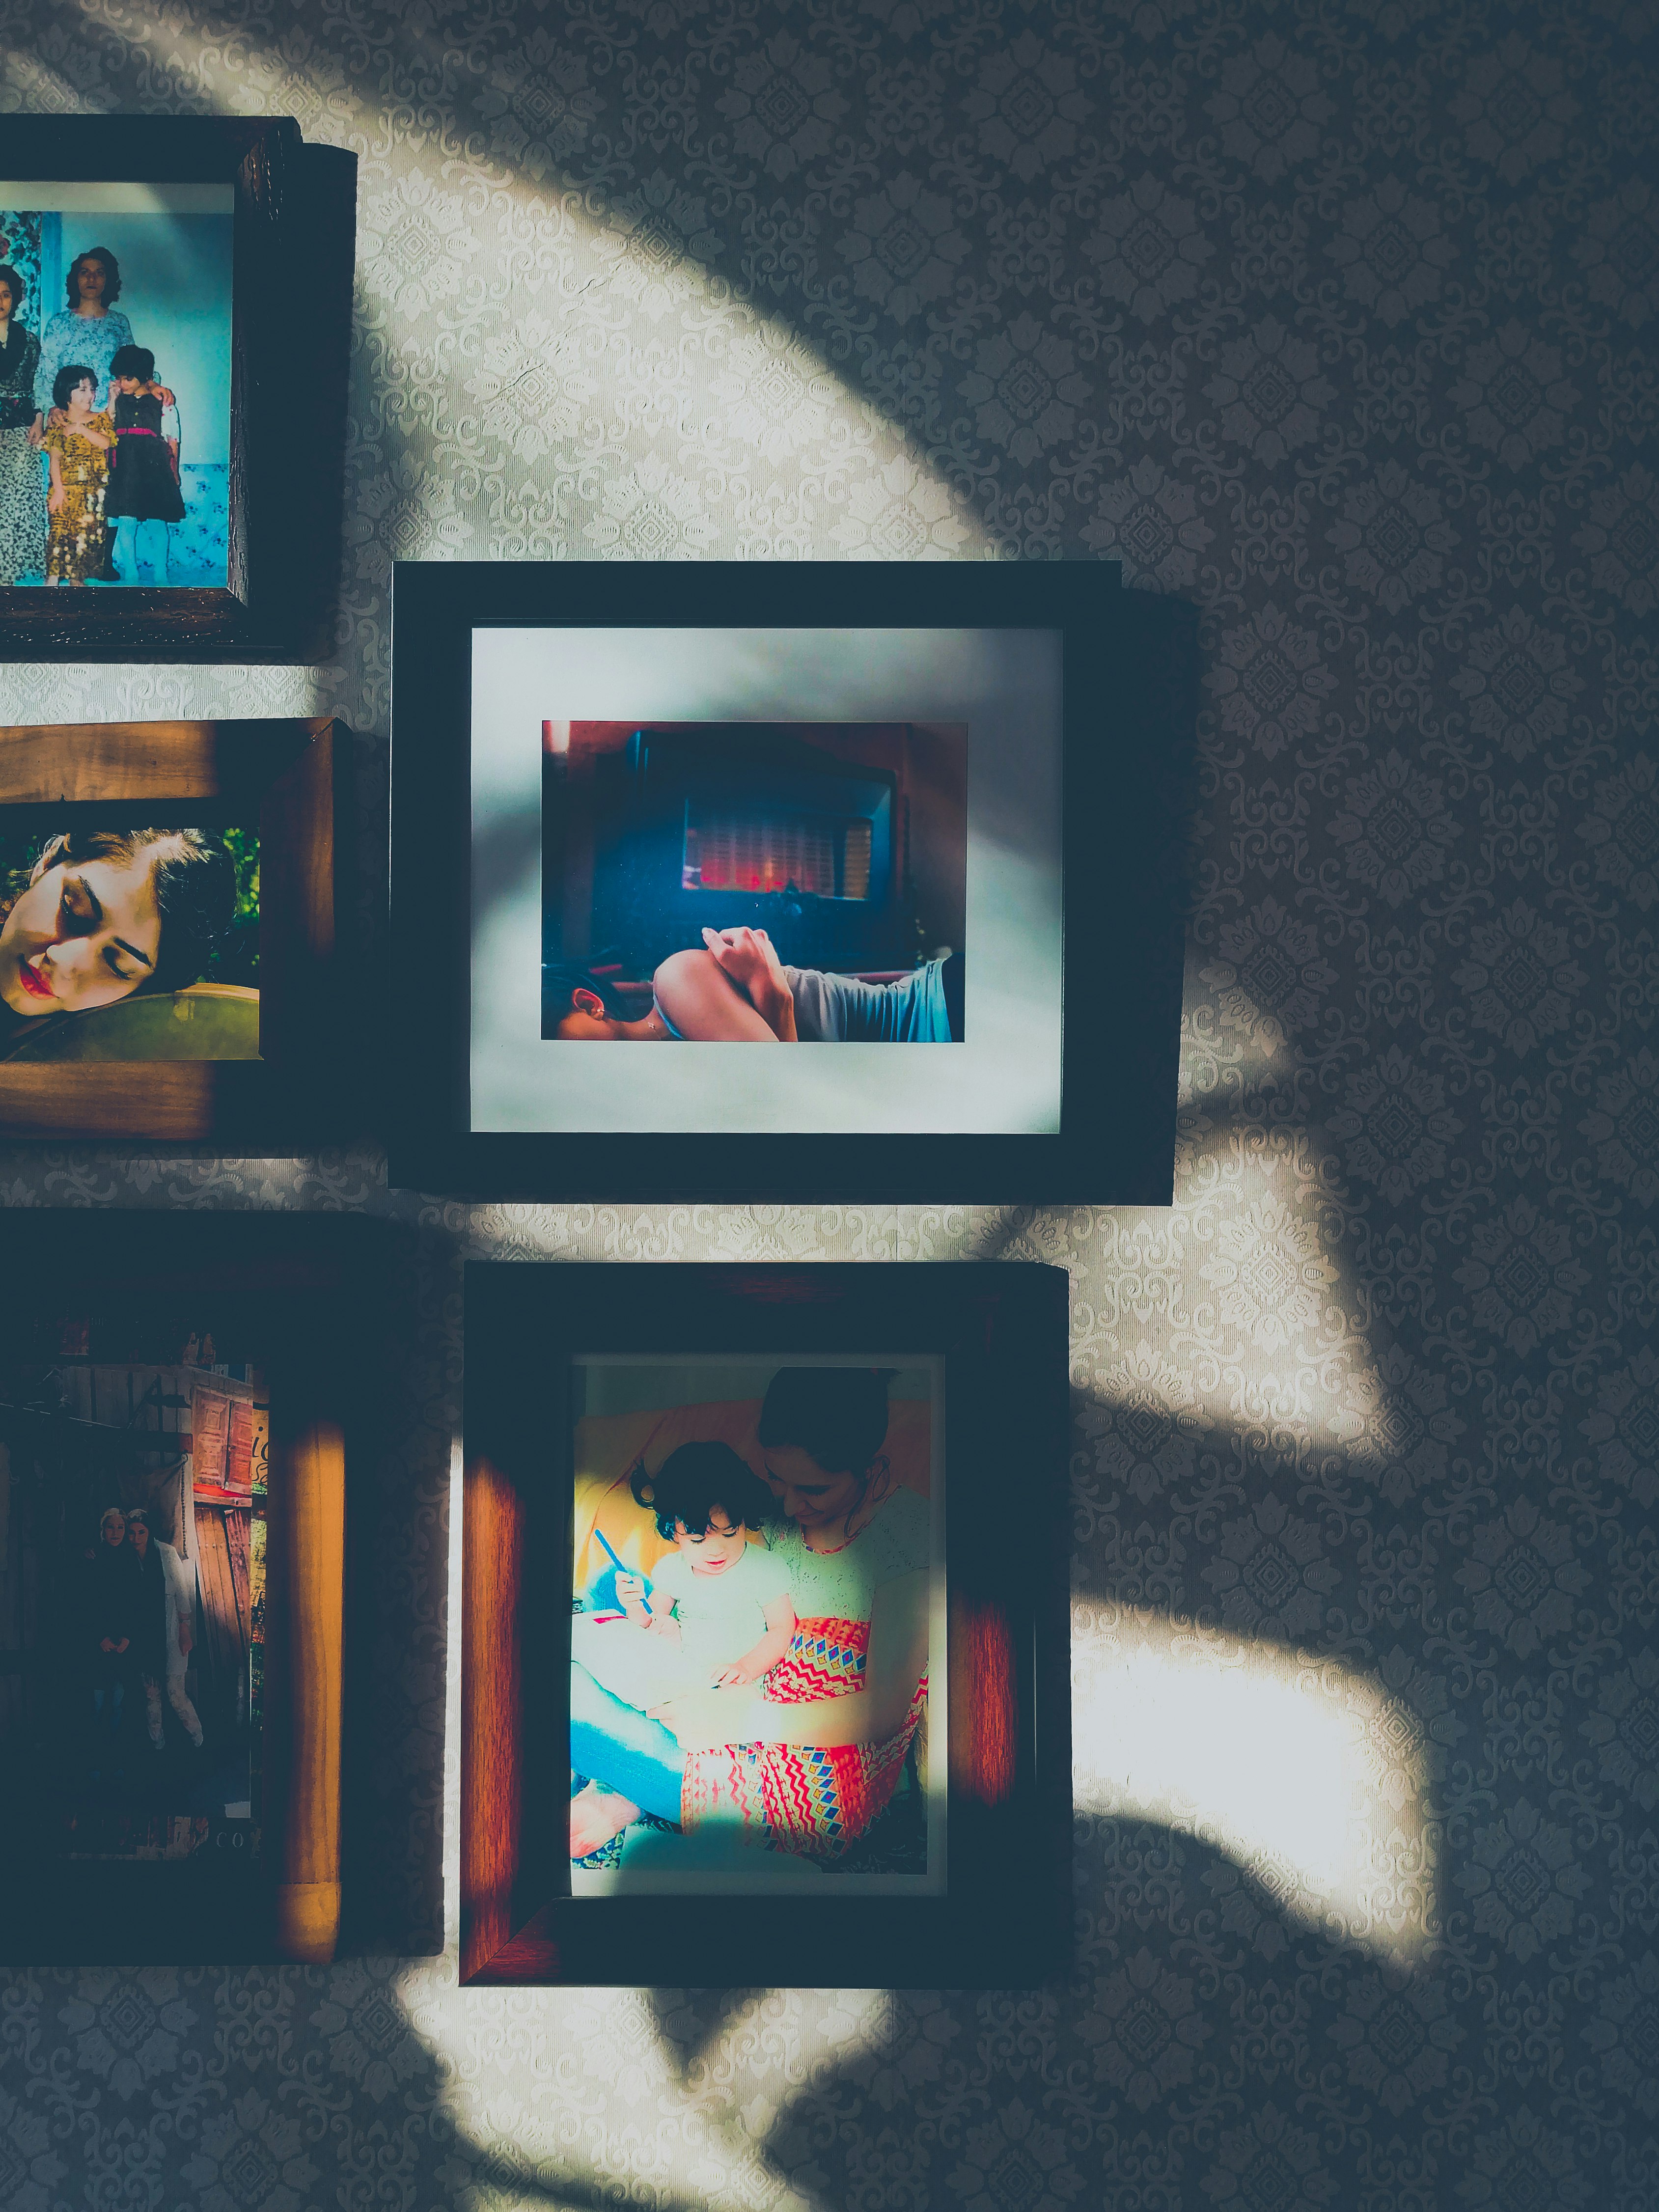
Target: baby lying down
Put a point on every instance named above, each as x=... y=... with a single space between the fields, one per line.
x=718 y=1612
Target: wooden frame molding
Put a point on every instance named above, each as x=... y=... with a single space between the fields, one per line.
x=295 y=217
x=293 y=776
x=311 y=1290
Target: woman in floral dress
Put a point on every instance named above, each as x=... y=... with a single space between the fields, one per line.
x=22 y=490
x=90 y=329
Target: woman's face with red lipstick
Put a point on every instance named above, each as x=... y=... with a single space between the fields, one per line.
x=83 y=934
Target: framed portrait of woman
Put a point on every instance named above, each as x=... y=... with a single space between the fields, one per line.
x=180 y=1397
x=175 y=303
x=168 y=954
x=769 y=1564
x=922 y=820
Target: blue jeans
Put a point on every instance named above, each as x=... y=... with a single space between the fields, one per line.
x=616 y=1744
x=130 y=534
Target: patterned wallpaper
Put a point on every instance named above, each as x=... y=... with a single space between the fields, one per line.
x=1337 y=319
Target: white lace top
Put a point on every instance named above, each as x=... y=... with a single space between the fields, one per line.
x=842 y=1585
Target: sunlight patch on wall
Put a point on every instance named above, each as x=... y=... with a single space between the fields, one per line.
x=708 y=2093
x=1228 y=1327
x=623 y=397
x=533 y=2078
x=609 y=388
x=1310 y=1776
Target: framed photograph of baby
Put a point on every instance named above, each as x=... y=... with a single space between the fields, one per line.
x=156 y=364
x=921 y=818
x=179 y=1395
x=168 y=938
x=809 y=1685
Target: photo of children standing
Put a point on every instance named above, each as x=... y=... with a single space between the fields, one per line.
x=115 y=326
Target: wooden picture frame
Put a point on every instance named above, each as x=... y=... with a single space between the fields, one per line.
x=1000 y=1333
x=294 y=218
x=1115 y=736
x=293 y=776
x=299 y=1288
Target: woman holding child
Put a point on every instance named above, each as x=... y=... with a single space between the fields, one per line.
x=805 y=1759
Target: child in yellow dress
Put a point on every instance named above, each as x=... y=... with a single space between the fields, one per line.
x=80 y=443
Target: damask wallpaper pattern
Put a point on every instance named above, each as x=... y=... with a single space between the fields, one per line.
x=1338 y=319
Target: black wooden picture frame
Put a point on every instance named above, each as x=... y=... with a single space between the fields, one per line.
x=295 y=225
x=1004 y=1919
x=1126 y=743
x=310 y=1291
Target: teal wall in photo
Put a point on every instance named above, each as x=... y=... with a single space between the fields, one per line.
x=175 y=292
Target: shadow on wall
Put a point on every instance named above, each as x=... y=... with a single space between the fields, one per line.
x=1303 y=1785
x=1309 y=1777
x=1305 y=1782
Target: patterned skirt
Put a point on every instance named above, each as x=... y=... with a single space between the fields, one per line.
x=22 y=508
x=815 y=1801
x=78 y=539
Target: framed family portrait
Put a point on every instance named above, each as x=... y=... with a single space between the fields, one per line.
x=168 y=957
x=176 y=306
x=921 y=819
x=769 y=1564
x=179 y=1397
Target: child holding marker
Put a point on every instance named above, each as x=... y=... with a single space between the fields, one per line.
x=718 y=1610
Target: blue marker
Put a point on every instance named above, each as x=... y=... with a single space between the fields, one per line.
x=603 y=1599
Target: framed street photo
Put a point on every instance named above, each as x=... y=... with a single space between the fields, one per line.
x=748 y=1561
x=921 y=820
x=168 y=964
x=175 y=304
x=180 y=1396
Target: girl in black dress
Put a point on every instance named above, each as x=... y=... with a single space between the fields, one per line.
x=144 y=494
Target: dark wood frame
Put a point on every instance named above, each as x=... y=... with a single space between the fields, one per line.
x=296 y=775
x=295 y=238
x=310 y=1281
x=1127 y=749
x=1004 y=1920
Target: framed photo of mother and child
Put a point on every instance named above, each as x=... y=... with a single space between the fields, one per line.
x=923 y=818
x=174 y=318
x=769 y=1565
